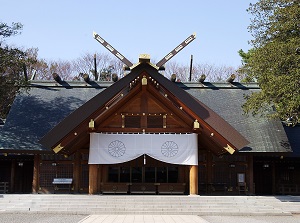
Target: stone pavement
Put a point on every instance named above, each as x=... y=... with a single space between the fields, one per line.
x=69 y=208
x=149 y=204
x=143 y=219
x=70 y=218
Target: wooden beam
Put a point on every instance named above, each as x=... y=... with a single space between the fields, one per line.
x=250 y=181
x=12 y=176
x=171 y=106
x=152 y=130
x=83 y=128
x=36 y=170
x=76 y=171
x=104 y=118
x=144 y=106
x=93 y=178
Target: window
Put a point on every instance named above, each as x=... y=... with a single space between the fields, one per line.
x=172 y=174
x=155 y=121
x=162 y=175
x=150 y=174
x=124 y=174
x=113 y=174
x=136 y=174
x=132 y=122
x=143 y=174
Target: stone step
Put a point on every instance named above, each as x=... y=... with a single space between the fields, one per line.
x=85 y=204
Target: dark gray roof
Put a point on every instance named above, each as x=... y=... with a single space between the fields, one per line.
x=36 y=112
x=202 y=112
x=293 y=134
x=264 y=135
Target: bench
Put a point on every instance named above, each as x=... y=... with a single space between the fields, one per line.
x=4 y=187
x=114 y=188
x=61 y=183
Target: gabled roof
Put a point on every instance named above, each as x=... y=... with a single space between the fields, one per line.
x=36 y=112
x=293 y=134
x=265 y=135
x=211 y=119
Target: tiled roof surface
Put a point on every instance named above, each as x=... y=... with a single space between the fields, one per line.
x=37 y=111
x=264 y=135
x=212 y=120
x=293 y=134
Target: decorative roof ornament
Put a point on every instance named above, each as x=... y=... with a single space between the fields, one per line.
x=144 y=58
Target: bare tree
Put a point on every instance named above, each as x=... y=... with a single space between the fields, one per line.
x=213 y=73
x=216 y=73
x=63 y=68
x=85 y=64
x=40 y=70
x=181 y=71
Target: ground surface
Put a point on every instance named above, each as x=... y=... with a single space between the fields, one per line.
x=64 y=218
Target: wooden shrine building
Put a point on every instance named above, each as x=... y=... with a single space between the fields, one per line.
x=48 y=132
x=144 y=134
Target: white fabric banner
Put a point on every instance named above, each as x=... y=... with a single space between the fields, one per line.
x=119 y=148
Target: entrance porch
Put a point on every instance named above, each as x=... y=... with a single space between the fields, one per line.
x=143 y=175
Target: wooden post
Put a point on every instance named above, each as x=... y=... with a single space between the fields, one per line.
x=250 y=175
x=104 y=173
x=36 y=170
x=100 y=177
x=209 y=176
x=93 y=178
x=76 y=172
x=273 y=177
x=12 y=176
x=194 y=180
x=181 y=173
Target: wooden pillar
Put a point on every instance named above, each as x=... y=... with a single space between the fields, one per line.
x=273 y=178
x=76 y=172
x=93 y=178
x=209 y=166
x=181 y=173
x=194 y=180
x=104 y=173
x=12 y=176
x=249 y=175
x=100 y=177
x=36 y=171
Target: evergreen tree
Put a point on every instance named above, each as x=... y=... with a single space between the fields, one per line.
x=12 y=68
x=275 y=59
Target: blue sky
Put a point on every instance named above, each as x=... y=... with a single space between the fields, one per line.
x=63 y=29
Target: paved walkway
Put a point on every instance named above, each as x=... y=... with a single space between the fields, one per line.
x=143 y=219
x=35 y=208
x=67 y=218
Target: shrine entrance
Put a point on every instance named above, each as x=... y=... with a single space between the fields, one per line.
x=160 y=166
x=144 y=175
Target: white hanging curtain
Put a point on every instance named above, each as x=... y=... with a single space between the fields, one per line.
x=119 y=148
